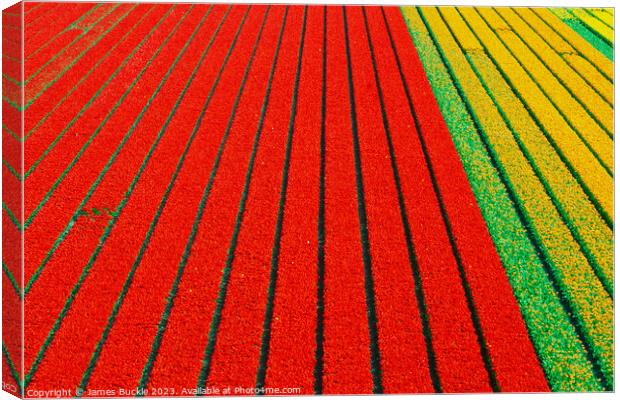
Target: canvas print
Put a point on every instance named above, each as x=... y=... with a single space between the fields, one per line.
x=239 y=199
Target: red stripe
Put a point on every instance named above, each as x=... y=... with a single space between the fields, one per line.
x=50 y=72
x=400 y=331
x=347 y=341
x=50 y=222
x=503 y=327
x=37 y=37
x=87 y=89
x=178 y=363
x=60 y=42
x=291 y=353
x=146 y=299
x=235 y=360
x=67 y=263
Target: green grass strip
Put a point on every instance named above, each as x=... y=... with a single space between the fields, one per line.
x=575 y=24
x=125 y=199
x=163 y=322
x=84 y=77
x=562 y=354
x=94 y=186
x=79 y=56
x=11 y=279
x=14 y=372
x=230 y=254
x=103 y=122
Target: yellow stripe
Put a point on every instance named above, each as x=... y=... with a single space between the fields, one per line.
x=594 y=135
x=603 y=30
x=589 y=298
x=603 y=15
x=592 y=101
x=580 y=44
x=592 y=75
x=582 y=160
x=569 y=54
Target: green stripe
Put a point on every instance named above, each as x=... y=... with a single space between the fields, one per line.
x=103 y=122
x=80 y=36
x=12 y=170
x=163 y=323
x=79 y=57
x=223 y=286
x=80 y=19
x=14 y=372
x=11 y=279
x=275 y=252
x=106 y=233
x=83 y=79
x=369 y=286
x=10 y=79
x=6 y=128
x=11 y=216
x=94 y=186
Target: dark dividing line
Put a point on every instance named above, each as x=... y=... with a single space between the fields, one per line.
x=103 y=122
x=116 y=213
x=413 y=260
x=95 y=184
x=80 y=36
x=275 y=254
x=320 y=306
x=375 y=353
x=484 y=351
x=533 y=236
x=221 y=297
x=84 y=52
x=14 y=372
x=11 y=278
x=83 y=79
x=544 y=93
x=78 y=20
x=546 y=40
x=609 y=79
x=595 y=202
x=594 y=264
x=557 y=76
x=163 y=323
x=129 y=280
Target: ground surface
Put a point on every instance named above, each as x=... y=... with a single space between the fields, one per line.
x=323 y=199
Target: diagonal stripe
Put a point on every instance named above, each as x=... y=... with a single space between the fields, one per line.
x=79 y=57
x=99 y=62
x=12 y=170
x=148 y=367
x=219 y=303
x=14 y=372
x=119 y=209
x=11 y=279
x=103 y=122
x=97 y=182
x=12 y=216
